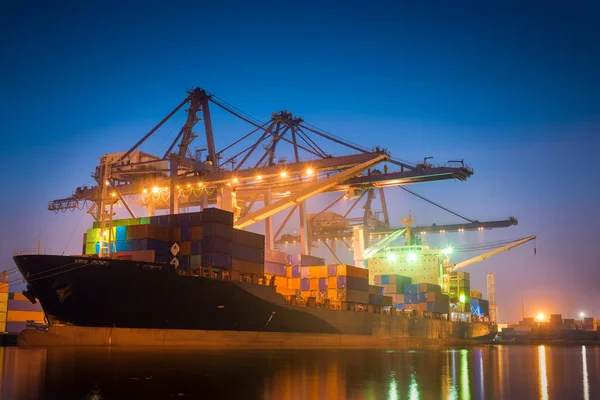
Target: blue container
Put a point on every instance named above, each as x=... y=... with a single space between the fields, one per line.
x=332 y=270
x=414 y=298
x=216 y=259
x=274 y=269
x=341 y=281
x=154 y=220
x=121 y=245
x=186 y=233
x=196 y=247
x=322 y=283
x=15 y=327
x=121 y=233
x=217 y=244
x=304 y=284
x=295 y=271
x=23 y=305
x=385 y=279
x=422 y=297
x=162 y=258
x=184 y=262
x=400 y=306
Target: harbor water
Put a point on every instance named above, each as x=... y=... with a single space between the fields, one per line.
x=486 y=372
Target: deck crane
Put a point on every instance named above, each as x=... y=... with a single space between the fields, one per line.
x=489 y=254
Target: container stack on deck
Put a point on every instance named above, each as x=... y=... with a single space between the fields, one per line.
x=409 y=296
x=206 y=239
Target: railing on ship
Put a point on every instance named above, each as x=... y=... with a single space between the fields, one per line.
x=32 y=251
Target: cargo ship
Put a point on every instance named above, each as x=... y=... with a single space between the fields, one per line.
x=195 y=271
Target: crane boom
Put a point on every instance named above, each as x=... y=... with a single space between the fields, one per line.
x=382 y=243
x=489 y=254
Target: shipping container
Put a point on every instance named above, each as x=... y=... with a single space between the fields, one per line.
x=249 y=239
x=247 y=267
x=213 y=229
x=476 y=294
x=147 y=232
x=332 y=282
x=387 y=301
x=217 y=244
x=429 y=287
x=276 y=257
x=4 y=297
x=332 y=270
x=275 y=269
x=304 y=284
x=304 y=260
x=294 y=283
x=217 y=215
x=185 y=233
x=348 y=295
x=352 y=282
x=22 y=316
x=141 y=255
x=244 y=252
x=411 y=289
x=314 y=283
x=196 y=233
x=196 y=247
x=350 y=270
x=16 y=327
x=215 y=259
x=373 y=289
x=293 y=271
x=196 y=262
x=175 y=234
x=375 y=299
x=323 y=283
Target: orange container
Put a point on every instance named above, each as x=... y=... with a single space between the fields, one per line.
x=247 y=267
x=294 y=283
x=186 y=249
x=314 y=283
x=175 y=234
x=23 y=316
x=332 y=282
x=196 y=233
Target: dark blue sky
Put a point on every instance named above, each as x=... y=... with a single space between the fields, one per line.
x=512 y=89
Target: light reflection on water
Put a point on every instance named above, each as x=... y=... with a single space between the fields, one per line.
x=494 y=372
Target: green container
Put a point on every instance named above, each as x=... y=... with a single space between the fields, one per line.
x=90 y=248
x=144 y=221
x=92 y=235
x=133 y=221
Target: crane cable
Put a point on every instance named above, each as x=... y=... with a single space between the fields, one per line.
x=436 y=204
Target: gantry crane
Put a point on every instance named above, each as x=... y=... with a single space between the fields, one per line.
x=262 y=177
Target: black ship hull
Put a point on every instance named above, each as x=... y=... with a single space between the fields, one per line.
x=99 y=292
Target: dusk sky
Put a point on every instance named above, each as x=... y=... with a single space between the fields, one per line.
x=512 y=90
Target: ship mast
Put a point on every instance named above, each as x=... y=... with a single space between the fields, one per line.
x=407 y=221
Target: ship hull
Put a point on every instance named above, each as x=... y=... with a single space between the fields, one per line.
x=92 y=292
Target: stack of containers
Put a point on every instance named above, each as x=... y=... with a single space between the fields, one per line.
x=476 y=294
x=4 y=282
x=217 y=238
x=20 y=310
x=248 y=252
x=422 y=297
x=589 y=324
x=377 y=298
x=460 y=288
x=275 y=263
x=348 y=283
x=294 y=277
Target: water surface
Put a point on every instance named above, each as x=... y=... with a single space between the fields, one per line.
x=490 y=372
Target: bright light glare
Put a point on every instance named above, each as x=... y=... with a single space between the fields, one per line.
x=145 y=191
x=200 y=184
x=412 y=256
x=309 y=171
x=462 y=298
x=448 y=250
x=113 y=194
x=581 y=314
x=540 y=317
x=283 y=174
x=259 y=177
x=155 y=189
x=391 y=257
x=235 y=180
